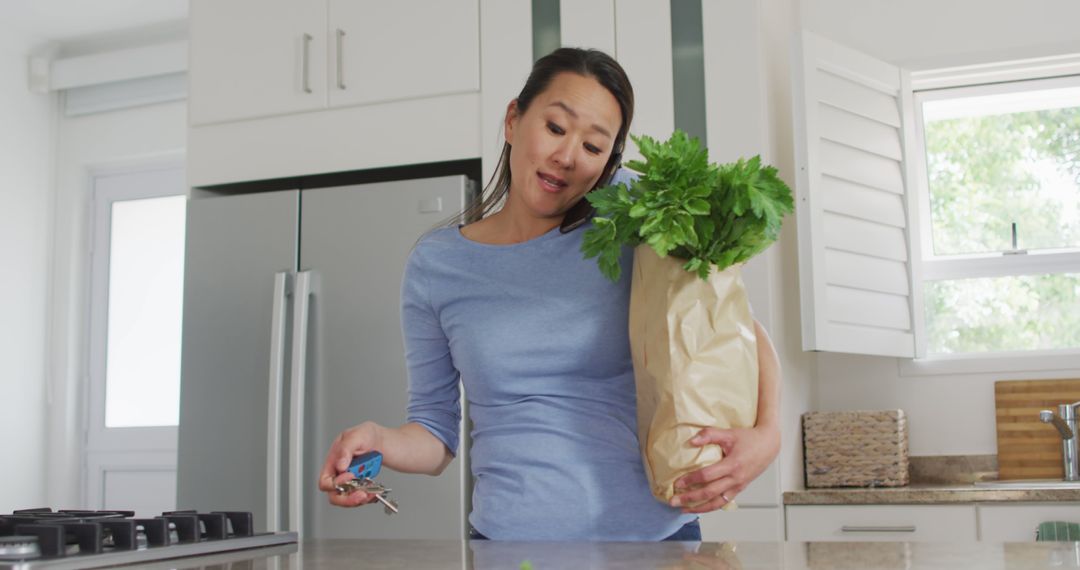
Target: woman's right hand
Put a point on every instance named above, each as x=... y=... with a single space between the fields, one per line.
x=348 y=444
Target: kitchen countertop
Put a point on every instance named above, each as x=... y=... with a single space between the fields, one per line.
x=485 y=555
x=927 y=495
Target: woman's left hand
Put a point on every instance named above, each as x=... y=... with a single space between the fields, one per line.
x=747 y=453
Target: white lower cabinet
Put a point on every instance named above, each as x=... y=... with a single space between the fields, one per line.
x=1017 y=522
x=763 y=491
x=909 y=523
x=758 y=518
x=752 y=524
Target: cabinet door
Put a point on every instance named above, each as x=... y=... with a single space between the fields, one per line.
x=252 y=58
x=753 y=524
x=1017 y=523
x=384 y=51
x=879 y=523
x=763 y=491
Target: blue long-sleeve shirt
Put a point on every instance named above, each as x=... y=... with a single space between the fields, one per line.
x=538 y=337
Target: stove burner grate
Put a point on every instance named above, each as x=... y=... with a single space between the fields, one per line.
x=32 y=534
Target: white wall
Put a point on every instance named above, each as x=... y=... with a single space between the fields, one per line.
x=142 y=135
x=948 y=414
x=45 y=161
x=26 y=121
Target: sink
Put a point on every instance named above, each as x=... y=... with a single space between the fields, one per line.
x=1029 y=484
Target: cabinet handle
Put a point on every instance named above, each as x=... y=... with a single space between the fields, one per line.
x=304 y=64
x=846 y=528
x=340 y=62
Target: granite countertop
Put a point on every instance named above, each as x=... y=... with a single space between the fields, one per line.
x=927 y=494
x=940 y=479
x=491 y=555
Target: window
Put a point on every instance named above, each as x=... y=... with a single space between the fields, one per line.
x=136 y=306
x=146 y=274
x=938 y=212
x=999 y=194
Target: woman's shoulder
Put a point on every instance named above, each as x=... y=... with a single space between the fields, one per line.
x=439 y=235
x=433 y=257
x=624 y=176
x=435 y=243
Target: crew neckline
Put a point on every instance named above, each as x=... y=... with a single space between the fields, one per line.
x=551 y=234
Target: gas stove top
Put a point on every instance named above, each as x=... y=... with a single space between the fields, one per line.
x=43 y=538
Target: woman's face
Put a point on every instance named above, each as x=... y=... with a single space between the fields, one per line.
x=560 y=145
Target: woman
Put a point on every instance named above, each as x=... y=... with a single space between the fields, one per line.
x=538 y=337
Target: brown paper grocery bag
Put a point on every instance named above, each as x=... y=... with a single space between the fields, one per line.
x=695 y=363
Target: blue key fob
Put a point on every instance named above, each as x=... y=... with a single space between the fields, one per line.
x=366 y=466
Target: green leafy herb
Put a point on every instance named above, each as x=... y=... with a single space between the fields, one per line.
x=682 y=205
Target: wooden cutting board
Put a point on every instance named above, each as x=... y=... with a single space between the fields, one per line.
x=1028 y=448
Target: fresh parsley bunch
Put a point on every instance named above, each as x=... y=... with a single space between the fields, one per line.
x=681 y=205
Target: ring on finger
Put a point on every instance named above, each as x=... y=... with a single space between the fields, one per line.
x=725 y=497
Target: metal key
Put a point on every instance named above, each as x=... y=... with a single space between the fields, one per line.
x=372 y=488
x=389 y=505
x=349 y=486
x=365 y=485
x=382 y=493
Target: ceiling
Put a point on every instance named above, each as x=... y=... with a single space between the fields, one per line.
x=67 y=20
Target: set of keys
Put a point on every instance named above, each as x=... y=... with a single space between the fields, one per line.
x=364 y=469
x=372 y=488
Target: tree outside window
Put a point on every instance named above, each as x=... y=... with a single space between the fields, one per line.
x=994 y=163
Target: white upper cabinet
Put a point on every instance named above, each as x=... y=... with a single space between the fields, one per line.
x=261 y=58
x=384 y=51
x=857 y=261
x=252 y=58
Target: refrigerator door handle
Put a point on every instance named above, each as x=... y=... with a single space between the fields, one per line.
x=274 y=416
x=301 y=305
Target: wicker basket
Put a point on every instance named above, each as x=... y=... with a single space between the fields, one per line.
x=856 y=449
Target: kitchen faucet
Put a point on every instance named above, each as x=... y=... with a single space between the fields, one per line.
x=1065 y=422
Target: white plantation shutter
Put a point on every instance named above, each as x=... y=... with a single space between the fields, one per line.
x=857 y=265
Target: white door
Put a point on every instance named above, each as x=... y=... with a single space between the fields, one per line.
x=256 y=58
x=136 y=296
x=386 y=51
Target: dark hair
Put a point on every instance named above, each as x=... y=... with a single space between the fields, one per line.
x=587 y=63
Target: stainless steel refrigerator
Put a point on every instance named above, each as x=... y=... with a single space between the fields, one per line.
x=291 y=333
